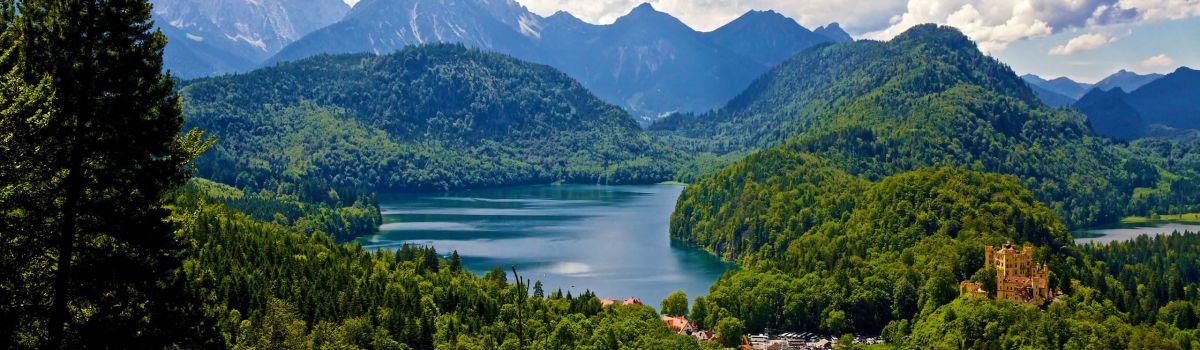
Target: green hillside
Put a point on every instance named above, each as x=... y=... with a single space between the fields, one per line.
x=896 y=163
x=332 y=130
x=427 y=117
x=926 y=98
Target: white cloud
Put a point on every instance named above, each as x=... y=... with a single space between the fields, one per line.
x=992 y=23
x=1154 y=10
x=1086 y=42
x=1158 y=61
x=995 y=24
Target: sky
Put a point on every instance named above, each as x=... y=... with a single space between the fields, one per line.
x=1085 y=40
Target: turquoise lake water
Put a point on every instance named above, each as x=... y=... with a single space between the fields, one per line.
x=610 y=239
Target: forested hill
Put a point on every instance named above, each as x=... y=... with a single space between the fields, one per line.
x=812 y=87
x=428 y=117
x=927 y=97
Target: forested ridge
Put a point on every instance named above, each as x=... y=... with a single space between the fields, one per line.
x=430 y=117
x=332 y=130
x=926 y=98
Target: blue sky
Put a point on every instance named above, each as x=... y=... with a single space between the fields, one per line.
x=1178 y=40
x=1082 y=39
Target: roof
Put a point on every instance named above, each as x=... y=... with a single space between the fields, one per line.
x=676 y=323
x=1016 y=279
x=627 y=301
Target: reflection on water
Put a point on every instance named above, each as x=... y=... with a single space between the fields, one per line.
x=610 y=239
x=1127 y=232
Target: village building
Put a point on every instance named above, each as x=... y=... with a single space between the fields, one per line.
x=679 y=324
x=628 y=301
x=1018 y=278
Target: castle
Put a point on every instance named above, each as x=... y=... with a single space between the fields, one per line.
x=1018 y=279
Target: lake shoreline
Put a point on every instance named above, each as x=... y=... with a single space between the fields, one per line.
x=1126 y=231
x=612 y=239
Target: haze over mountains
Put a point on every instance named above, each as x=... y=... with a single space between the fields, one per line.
x=647 y=62
x=1163 y=107
x=1052 y=91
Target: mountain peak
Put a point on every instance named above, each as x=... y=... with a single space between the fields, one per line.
x=834 y=32
x=644 y=7
x=646 y=14
x=763 y=14
x=764 y=19
x=1127 y=80
x=936 y=34
x=563 y=16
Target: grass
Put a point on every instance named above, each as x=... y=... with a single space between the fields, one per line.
x=1189 y=217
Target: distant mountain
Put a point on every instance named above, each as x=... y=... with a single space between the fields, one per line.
x=1109 y=114
x=429 y=117
x=834 y=32
x=1162 y=107
x=652 y=63
x=1173 y=100
x=647 y=61
x=1061 y=85
x=1051 y=98
x=384 y=26
x=209 y=37
x=769 y=37
x=1126 y=80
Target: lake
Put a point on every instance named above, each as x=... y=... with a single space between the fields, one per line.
x=1126 y=232
x=610 y=239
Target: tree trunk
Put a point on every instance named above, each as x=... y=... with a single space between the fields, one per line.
x=66 y=247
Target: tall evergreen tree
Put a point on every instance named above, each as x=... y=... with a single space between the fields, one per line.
x=24 y=109
x=91 y=145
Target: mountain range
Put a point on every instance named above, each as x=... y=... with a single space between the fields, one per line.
x=1160 y=107
x=1053 y=91
x=647 y=61
x=208 y=37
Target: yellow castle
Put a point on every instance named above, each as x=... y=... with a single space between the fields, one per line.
x=1018 y=279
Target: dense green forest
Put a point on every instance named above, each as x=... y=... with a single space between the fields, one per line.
x=849 y=255
x=331 y=130
x=863 y=217
x=267 y=287
x=101 y=247
x=928 y=97
x=429 y=117
x=837 y=234
x=342 y=222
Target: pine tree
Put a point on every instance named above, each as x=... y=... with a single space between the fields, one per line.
x=24 y=109
x=455 y=262
x=93 y=162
